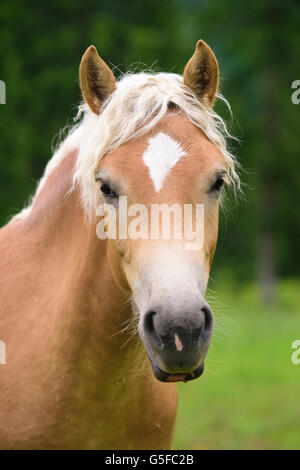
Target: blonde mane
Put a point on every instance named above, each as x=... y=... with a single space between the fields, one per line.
x=138 y=104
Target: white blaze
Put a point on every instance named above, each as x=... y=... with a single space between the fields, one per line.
x=161 y=156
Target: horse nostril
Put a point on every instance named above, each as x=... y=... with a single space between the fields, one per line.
x=205 y=325
x=150 y=329
x=208 y=318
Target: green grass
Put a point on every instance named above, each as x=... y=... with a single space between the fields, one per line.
x=249 y=394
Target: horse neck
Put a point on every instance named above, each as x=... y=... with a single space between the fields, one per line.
x=76 y=266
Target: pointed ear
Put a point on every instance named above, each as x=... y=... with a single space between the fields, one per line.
x=97 y=81
x=201 y=73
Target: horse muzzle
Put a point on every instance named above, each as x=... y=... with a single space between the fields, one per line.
x=177 y=343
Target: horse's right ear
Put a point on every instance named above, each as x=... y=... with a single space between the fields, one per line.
x=97 y=81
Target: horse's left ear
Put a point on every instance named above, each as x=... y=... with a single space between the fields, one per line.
x=97 y=81
x=201 y=73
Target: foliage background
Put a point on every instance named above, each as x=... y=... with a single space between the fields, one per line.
x=257 y=45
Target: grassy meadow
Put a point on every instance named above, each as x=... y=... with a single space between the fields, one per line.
x=249 y=394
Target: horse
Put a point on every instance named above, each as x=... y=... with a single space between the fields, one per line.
x=98 y=330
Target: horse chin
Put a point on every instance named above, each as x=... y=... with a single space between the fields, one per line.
x=163 y=376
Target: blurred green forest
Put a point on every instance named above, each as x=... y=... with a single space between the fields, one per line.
x=257 y=45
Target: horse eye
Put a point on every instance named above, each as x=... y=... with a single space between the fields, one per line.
x=218 y=184
x=107 y=191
